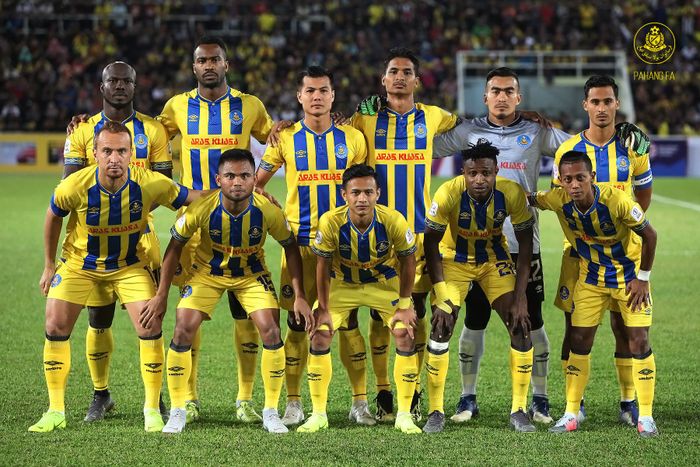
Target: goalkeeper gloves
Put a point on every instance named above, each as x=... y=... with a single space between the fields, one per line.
x=371 y=105
x=633 y=138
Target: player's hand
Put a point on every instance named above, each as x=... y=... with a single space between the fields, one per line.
x=639 y=298
x=155 y=308
x=321 y=317
x=75 y=121
x=372 y=105
x=273 y=138
x=442 y=322
x=339 y=119
x=407 y=316
x=270 y=198
x=536 y=117
x=47 y=278
x=302 y=310
x=633 y=138
x=519 y=317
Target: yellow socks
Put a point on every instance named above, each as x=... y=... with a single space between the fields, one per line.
x=353 y=354
x=179 y=369
x=644 y=371
x=421 y=339
x=192 y=393
x=319 y=374
x=623 y=367
x=296 y=350
x=379 y=340
x=438 y=361
x=152 y=359
x=245 y=336
x=272 y=368
x=405 y=375
x=56 y=369
x=578 y=371
x=521 y=374
x=99 y=345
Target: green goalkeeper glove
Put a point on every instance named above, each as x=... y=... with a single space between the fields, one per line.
x=633 y=138
x=372 y=105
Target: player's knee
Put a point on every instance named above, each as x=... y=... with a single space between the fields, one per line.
x=403 y=340
x=237 y=310
x=183 y=334
x=638 y=339
x=321 y=341
x=580 y=343
x=519 y=341
x=150 y=335
x=617 y=324
x=293 y=325
x=101 y=317
x=56 y=327
x=270 y=335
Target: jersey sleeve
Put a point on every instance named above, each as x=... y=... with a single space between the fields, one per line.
x=65 y=198
x=188 y=223
x=631 y=213
x=168 y=192
x=551 y=139
x=546 y=199
x=358 y=150
x=520 y=215
x=168 y=118
x=277 y=224
x=452 y=141
x=403 y=238
x=447 y=120
x=641 y=170
x=555 y=167
x=273 y=158
x=263 y=122
x=75 y=151
x=326 y=239
x=438 y=217
x=159 y=154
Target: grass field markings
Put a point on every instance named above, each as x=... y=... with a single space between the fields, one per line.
x=677 y=202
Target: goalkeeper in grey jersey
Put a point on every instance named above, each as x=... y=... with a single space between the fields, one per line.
x=522 y=143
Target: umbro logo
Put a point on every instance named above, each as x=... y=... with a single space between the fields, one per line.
x=277 y=373
x=572 y=368
x=359 y=356
x=153 y=366
x=313 y=375
x=98 y=354
x=381 y=348
x=410 y=375
x=463 y=357
x=527 y=366
x=292 y=360
x=250 y=345
x=430 y=368
x=175 y=369
x=52 y=363
x=646 y=371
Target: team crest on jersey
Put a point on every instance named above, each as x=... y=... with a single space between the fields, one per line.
x=380 y=132
x=524 y=140
x=623 y=164
x=287 y=291
x=420 y=130
x=300 y=153
x=382 y=246
x=186 y=291
x=56 y=280
x=607 y=227
x=499 y=216
x=141 y=141
x=255 y=232
x=236 y=117
x=564 y=292
x=341 y=151
x=136 y=207
x=193 y=117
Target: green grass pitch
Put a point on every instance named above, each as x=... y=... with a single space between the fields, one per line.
x=218 y=439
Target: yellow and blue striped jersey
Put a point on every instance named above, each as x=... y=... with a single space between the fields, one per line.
x=149 y=148
x=313 y=165
x=613 y=164
x=401 y=151
x=364 y=257
x=602 y=235
x=231 y=246
x=108 y=226
x=209 y=128
x=474 y=230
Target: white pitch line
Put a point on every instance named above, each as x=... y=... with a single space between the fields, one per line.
x=676 y=202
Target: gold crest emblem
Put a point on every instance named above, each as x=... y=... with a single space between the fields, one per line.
x=654 y=43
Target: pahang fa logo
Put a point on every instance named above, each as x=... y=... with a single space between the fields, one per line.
x=654 y=44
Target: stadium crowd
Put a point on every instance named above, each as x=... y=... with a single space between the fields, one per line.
x=53 y=51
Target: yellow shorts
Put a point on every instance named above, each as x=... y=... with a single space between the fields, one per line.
x=103 y=296
x=495 y=279
x=308 y=267
x=203 y=291
x=130 y=284
x=345 y=297
x=184 y=269
x=568 y=277
x=421 y=284
x=590 y=302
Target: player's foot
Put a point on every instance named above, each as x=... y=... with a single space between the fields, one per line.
x=314 y=423
x=152 y=420
x=435 y=423
x=569 y=422
x=359 y=413
x=581 y=415
x=293 y=414
x=176 y=421
x=272 y=421
x=385 y=406
x=521 y=422
x=100 y=405
x=647 y=427
x=246 y=413
x=629 y=413
x=49 y=421
x=467 y=408
x=539 y=410
x=164 y=412
x=192 y=409
x=404 y=422
x=416 y=406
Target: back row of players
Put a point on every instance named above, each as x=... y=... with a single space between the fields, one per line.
x=367 y=255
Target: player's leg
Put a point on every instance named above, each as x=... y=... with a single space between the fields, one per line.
x=353 y=354
x=99 y=345
x=246 y=343
x=405 y=378
x=471 y=350
x=629 y=413
x=421 y=340
x=379 y=341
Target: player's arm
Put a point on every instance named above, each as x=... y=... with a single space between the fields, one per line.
x=158 y=305
x=519 y=314
x=452 y=141
x=643 y=197
x=271 y=161
x=69 y=169
x=160 y=158
x=638 y=288
x=52 y=231
x=301 y=306
x=323 y=290
x=405 y=312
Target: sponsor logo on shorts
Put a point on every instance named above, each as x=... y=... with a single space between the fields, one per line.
x=341 y=151
x=564 y=292
x=420 y=130
x=56 y=280
x=186 y=291
x=287 y=291
x=141 y=141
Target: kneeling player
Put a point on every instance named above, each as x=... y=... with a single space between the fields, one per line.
x=230 y=257
x=464 y=225
x=600 y=222
x=365 y=258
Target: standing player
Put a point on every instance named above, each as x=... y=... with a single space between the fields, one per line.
x=400 y=142
x=602 y=222
x=230 y=257
x=466 y=220
x=365 y=258
x=149 y=150
x=626 y=169
x=211 y=119
x=314 y=153
x=110 y=203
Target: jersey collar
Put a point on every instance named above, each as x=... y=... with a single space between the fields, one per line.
x=124 y=122
x=586 y=140
x=330 y=128
x=518 y=119
x=478 y=203
x=104 y=190
x=413 y=110
x=245 y=211
x=369 y=229
x=596 y=197
x=226 y=94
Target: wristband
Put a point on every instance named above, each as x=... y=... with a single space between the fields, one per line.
x=404 y=303
x=440 y=289
x=643 y=275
